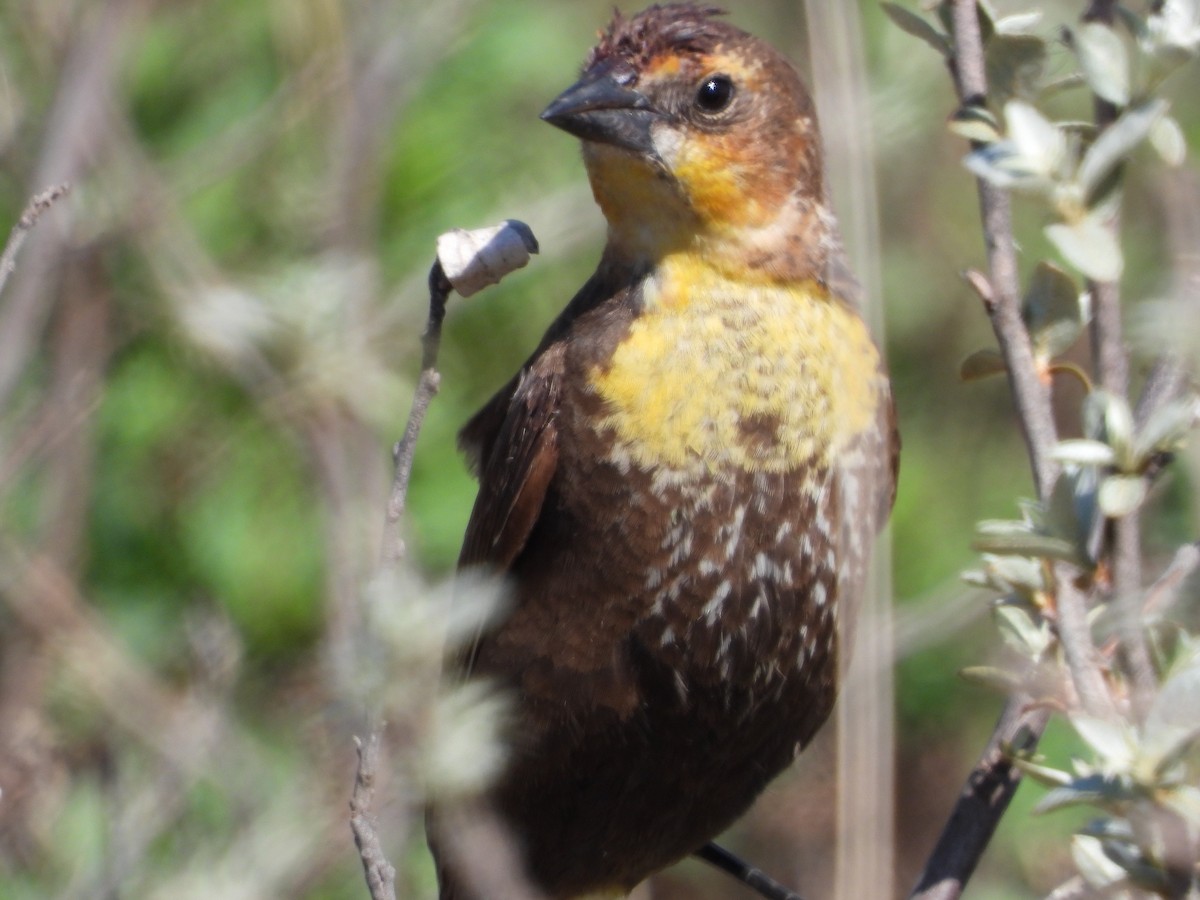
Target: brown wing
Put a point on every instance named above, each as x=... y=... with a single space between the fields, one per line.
x=514 y=440
x=512 y=445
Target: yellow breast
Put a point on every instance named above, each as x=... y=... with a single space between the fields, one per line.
x=716 y=372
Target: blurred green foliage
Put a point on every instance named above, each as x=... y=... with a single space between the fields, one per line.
x=231 y=143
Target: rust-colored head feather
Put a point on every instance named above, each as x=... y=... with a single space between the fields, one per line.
x=685 y=28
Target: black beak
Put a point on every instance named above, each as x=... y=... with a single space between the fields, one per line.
x=599 y=108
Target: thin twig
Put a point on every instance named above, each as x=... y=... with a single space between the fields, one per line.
x=1030 y=395
x=1079 y=650
x=29 y=218
x=472 y=260
x=427 y=388
x=380 y=874
x=72 y=145
x=755 y=879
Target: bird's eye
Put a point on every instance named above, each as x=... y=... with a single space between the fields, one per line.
x=715 y=93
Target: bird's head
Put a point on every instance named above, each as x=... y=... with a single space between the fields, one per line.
x=697 y=135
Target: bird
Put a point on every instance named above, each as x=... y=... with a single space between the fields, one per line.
x=683 y=483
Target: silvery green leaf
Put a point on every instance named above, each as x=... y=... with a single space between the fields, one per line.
x=1062 y=83
x=980 y=578
x=1043 y=774
x=1018 y=23
x=1052 y=295
x=1036 y=138
x=1184 y=800
x=913 y=24
x=1007 y=527
x=1175 y=27
x=1168 y=427
x=992 y=678
x=1121 y=494
x=1167 y=139
x=1118 y=427
x=1016 y=571
x=1084 y=452
x=1030 y=639
x=1015 y=66
x=1113 y=741
x=1060 y=516
x=1002 y=165
x=1173 y=721
x=1051 y=310
x=1093 y=790
x=975 y=123
x=1032 y=512
x=1030 y=544
x=1133 y=23
x=1090 y=246
x=1104 y=61
x=942 y=9
x=1115 y=142
x=1111 y=828
x=981 y=364
x=1142 y=870
x=1095 y=407
x=1093 y=863
x=1056 y=338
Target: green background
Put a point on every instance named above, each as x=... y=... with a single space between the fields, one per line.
x=216 y=349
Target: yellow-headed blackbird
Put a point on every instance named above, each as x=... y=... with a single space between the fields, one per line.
x=684 y=481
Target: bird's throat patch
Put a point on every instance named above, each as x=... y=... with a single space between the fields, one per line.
x=757 y=376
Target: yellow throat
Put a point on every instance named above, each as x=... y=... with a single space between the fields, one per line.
x=752 y=374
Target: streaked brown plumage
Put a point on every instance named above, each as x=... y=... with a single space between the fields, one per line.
x=684 y=480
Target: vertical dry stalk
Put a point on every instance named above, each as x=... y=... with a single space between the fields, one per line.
x=864 y=863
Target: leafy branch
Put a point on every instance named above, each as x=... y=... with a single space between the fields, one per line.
x=1070 y=567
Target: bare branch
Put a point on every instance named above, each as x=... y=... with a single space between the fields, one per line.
x=993 y=781
x=380 y=874
x=755 y=879
x=427 y=388
x=982 y=803
x=1075 y=636
x=69 y=149
x=494 y=256
x=38 y=205
x=1030 y=395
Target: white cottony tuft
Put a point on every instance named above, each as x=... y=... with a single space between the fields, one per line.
x=472 y=260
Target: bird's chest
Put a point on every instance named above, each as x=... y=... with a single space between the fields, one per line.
x=715 y=377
